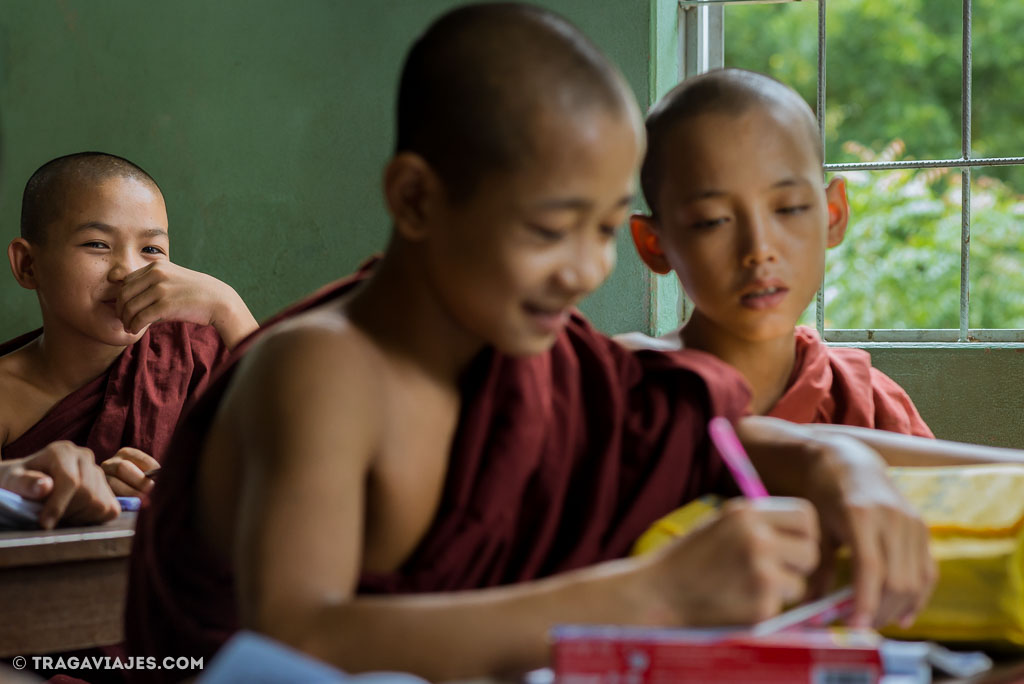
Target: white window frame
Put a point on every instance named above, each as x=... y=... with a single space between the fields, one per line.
x=701 y=41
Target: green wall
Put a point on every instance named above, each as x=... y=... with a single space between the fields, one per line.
x=266 y=122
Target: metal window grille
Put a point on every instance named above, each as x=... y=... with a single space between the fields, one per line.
x=702 y=40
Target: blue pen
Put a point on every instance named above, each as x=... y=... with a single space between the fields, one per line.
x=129 y=503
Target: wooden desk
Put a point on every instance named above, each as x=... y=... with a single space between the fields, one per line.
x=63 y=589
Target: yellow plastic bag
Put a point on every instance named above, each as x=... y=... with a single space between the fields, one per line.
x=976 y=518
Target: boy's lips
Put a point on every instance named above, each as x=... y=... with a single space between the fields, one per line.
x=764 y=294
x=549 y=319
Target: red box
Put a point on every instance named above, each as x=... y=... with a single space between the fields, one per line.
x=633 y=655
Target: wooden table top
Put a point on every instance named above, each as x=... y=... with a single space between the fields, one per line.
x=64 y=544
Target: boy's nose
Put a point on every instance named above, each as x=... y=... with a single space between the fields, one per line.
x=757 y=247
x=587 y=269
x=120 y=267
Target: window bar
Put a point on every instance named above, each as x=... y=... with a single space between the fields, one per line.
x=819 y=302
x=703 y=31
x=966 y=68
x=926 y=164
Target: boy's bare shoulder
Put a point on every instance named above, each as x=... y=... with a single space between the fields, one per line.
x=318 y=362
x=16 y=391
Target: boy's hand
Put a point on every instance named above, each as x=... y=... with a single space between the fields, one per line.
x=67 y=480
x=126 y=472
x=893 y=570
x=740 y=568
x=165 y=291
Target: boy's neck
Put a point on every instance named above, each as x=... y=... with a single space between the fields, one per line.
x=395 y=301
x=766 y=364
x=63 y=363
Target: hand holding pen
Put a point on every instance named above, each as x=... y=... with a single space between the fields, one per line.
x=835 y=606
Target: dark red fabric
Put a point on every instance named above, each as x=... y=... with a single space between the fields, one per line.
x=137 y=401
x=560 y=460
x=838 y=385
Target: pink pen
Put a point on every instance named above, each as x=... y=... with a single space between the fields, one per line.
x=735 y=457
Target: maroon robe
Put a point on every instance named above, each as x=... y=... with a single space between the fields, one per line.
x=838 y=385
x=560 y=460
x=137 y=401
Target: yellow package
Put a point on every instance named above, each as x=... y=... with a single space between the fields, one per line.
x=976 y=518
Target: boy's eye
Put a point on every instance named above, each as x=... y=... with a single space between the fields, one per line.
x=795 y=209
x=548 y=234
x=94 y=244
x=610 y=231
x=708 y=223
x=152 y=250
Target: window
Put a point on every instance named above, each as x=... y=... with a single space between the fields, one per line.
x=923 y=115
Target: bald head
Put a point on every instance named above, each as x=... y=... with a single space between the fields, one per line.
x=473 y=87
x=49 y=187
x=725 y=91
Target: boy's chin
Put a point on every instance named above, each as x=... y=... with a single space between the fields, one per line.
x=531 y=346
x=118 y=337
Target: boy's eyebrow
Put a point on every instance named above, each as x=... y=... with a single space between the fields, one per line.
x=106 y=228
x=793 y=180
x=579 y=203
x=714 y=192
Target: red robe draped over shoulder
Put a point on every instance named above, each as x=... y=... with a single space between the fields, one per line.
x=838 y=385
x=137 y=401
x=560 y=460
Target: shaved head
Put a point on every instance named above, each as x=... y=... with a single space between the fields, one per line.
x=47 y=190
x=474 y=85
x=724 y=91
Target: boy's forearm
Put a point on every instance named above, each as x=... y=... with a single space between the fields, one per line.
x=234 y=322
x=908 y=450
x=785 y=454
x=460 y=635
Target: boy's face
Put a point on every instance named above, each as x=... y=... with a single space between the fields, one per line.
x=510 y=262
x=743 y=219
x=106 y=231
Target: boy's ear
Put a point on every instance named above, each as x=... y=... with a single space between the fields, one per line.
x=838 y=210
x=648 y=244
x=22 y=259
x=411 y=189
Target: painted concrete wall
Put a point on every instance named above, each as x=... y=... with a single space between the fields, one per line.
x=968 y=394
x=266 y=122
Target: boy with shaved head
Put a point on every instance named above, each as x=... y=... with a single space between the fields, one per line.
x=740 y=213
x=127 y=337
x=426 y=466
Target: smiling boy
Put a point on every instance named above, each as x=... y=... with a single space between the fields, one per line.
x=127 y=335
x=739 y=211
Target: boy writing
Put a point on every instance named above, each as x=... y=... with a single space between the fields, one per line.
x=739 y=212
x=425 y=467
x=127 y=335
